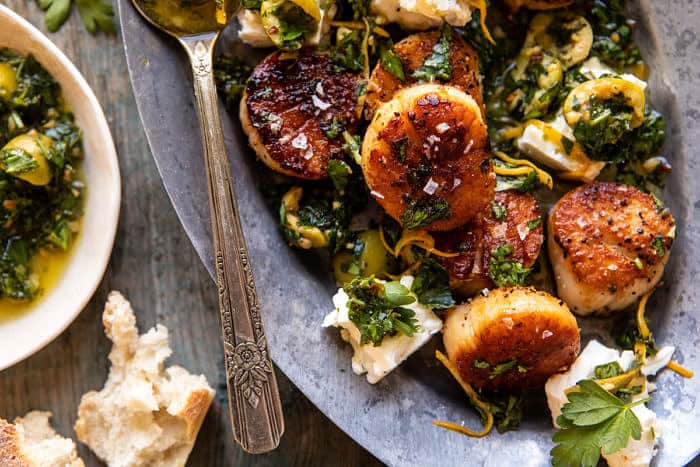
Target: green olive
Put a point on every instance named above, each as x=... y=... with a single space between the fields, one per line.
x=33 y=144
x=373 y=258
x=8 y=81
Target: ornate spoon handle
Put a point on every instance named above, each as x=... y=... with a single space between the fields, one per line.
x=255 y=408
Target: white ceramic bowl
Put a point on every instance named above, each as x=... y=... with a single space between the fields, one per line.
x=59 y=306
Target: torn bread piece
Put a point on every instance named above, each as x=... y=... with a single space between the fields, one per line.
x=31 y=442
x=146 y=414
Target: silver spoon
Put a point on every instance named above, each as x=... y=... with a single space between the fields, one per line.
x=254 y=402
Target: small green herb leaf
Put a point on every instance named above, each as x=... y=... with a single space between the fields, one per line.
x=499 y=210
x=432 y=285
x=425 y=211
x=608 y=370
x=506 y=272
x=391 y=62
x=97 y=15
x=339 y=171
x=532 y=224
x=376 y=309
x=438 y=65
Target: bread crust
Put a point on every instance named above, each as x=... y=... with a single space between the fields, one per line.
x=287 y=103
x=10 y=452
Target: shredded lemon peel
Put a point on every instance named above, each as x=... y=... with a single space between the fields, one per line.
x=524 y=168
x=680 y=369
x=419 y=238
x=482 y=7
x=474 y=398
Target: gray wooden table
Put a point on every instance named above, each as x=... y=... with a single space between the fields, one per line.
x=155 y=266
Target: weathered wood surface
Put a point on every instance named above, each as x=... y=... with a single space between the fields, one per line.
x=155 y=266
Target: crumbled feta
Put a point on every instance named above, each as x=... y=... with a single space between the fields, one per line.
x=535 y=144
x=300 y=142
x=423 y=14
x=430 y=186
x=637 y=453
x=323 y=105
x=252 y=32
x=275 y=122
x=442 y=127
x=377 y=362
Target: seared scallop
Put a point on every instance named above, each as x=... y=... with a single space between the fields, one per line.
x=412 y=52
x=512 y=219
x=608 y=244
x=295 y=109
x=426 y=158
x=512 y=339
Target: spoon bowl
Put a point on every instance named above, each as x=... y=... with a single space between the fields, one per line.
x=254 y=401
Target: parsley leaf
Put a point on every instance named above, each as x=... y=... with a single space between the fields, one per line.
x=231 y=75
x=593 y=420
x=425 y=211
x=339 y=171
x=608 y=370
x=438 y=65
x=97 y=15
x=57 y=12
x=507 y=412
x=377 y=309
x=432 y=285
x=391 y=62
x=532 y=224
x=505 y=272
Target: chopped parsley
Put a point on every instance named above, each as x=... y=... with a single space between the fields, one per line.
x=333 y=129
x=612 y=34
x=479 y=363
x=339 y=171
x=607 y=370
x=424 y=211
x=377 y=309
x=399 y=149
x=506 y=272
x=438 y=65
x=658 y=244
x=610 y=120
x=507 y=412
x=432 y=285
x=499 y=210
x=505 y=367
x=391 y=62
x=532 y=224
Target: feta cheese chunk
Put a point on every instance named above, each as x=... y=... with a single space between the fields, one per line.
x=252 y=32
x=594 y=68
x=637 y=453
x=377 y=362
x=419 y=15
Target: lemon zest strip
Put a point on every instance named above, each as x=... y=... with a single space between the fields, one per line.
x=473 y=398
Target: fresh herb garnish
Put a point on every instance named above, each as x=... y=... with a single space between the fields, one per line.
x=391 y=62
x=96 y=14
x=432 y=285
x=610 y=120
x=499 y=210
x=532 y=224
x=522 y=183
x=612 y=35
x=351 y=146
x=425 y=211
x=332 y=129
x=438 y=65
x=377 y=309
x=506 y=272
x=659 y=247
x=507 y=412
x=479 y=363
x=593 y=421
x=399 y=149
x=339 y=171
x=506 y=366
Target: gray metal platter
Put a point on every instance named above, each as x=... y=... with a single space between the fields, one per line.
x=393 y=418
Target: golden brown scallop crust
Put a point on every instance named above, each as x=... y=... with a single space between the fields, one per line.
x=412 y=51
x=469 y=272
x=513 y=339
x=515 y=5
x=611 y=234
x=10 y=453
x=429 y=144
x=289 y=100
